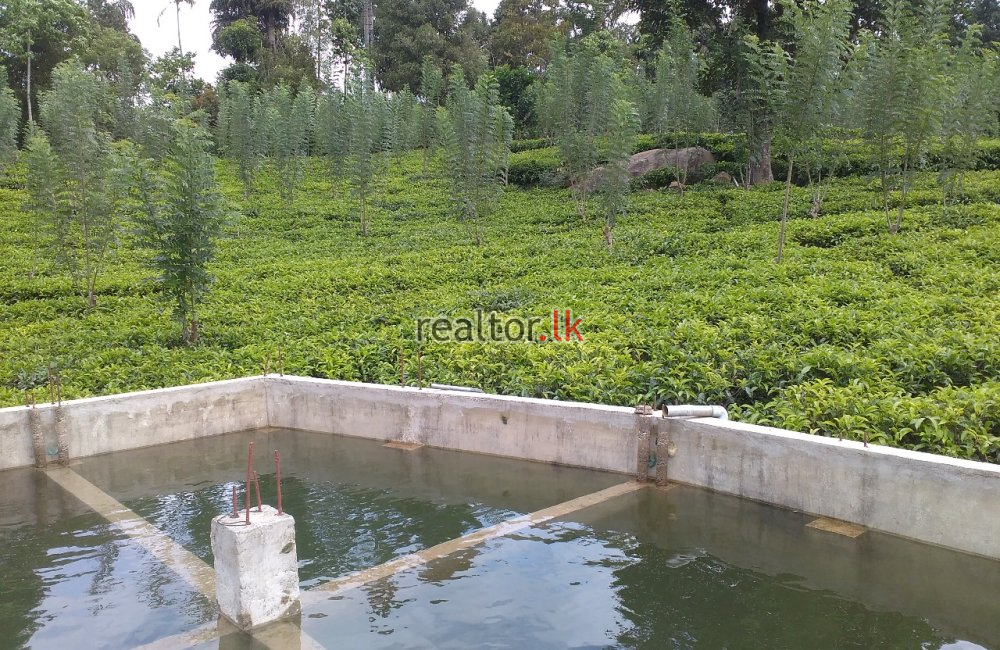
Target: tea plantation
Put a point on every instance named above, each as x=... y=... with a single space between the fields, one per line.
x=857 y=333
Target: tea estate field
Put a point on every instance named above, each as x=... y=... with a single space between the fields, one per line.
x=858 y=333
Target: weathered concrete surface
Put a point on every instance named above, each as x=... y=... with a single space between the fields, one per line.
x=566 y=433
x=946 y=501
x=104 y=424
x=256 y=567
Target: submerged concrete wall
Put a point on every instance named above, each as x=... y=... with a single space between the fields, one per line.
x=940 y=500
x=128 y=421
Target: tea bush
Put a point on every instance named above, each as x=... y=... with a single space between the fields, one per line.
x=858 y=334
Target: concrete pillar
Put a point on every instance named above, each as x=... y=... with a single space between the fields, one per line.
x=256 y=567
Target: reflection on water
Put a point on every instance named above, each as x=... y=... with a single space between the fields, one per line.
x=678 y=569
x=356 y=503
x=71 y=580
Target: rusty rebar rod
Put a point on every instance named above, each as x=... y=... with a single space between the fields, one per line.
x=249 y=463
x=420 y=369
x=277 y=471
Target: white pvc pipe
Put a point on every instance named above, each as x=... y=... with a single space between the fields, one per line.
x=695 y=411
x=463 y=389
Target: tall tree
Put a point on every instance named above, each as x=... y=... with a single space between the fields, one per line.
x=523 y=31
x=431 y=94
x=10 y=122
x=475 y=135
x=76 y=185
x=286 y=126
x=615 y=180
x=679 y=110
x=810 y=83
x=239 y=120
x=274 y=16
x=177 y=14
x=316 y=28
x=903 y=92
x=181 y=217
x=350 y=134
x=406 y=31
x=580 y=87
x=970 y=111
x=112 y=14
x=35 y=36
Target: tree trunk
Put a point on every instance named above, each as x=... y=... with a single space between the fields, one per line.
x=28 y=85
x=177 y=4
x=369 y=20
x=760 y=164
x=762 y=15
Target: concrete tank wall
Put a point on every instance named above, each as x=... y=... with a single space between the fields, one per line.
x=566 y=433
x=940 y=500
x=131 y=420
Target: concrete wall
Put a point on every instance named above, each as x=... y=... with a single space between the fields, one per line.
x=104 y=424
x=946 y=501
x=939 y=500
x=566 y=433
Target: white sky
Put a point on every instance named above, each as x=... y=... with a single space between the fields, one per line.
x=158 y=33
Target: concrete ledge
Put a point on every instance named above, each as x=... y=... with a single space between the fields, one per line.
x=101 y=425
x=566 y=433
x=945 y=501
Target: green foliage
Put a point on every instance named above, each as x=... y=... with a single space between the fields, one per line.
x=855 y=334
x=517 y=146
x=970 y=112
x=241 y=40
x=475 y=133
x=239 y=115
x=363 y=129
x=432 y=89
x=286 y=127
x=579 y=90
x=407 y=31
x=516 y=86
x=10 y=121
x=536 y=166
x=38 y=35
x=678 y=110
x=811 y=84
x=615 y=180
x=180 y=217
x=903 y=92
x=76 y=179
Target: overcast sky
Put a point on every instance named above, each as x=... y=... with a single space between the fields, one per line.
x=155 y=24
